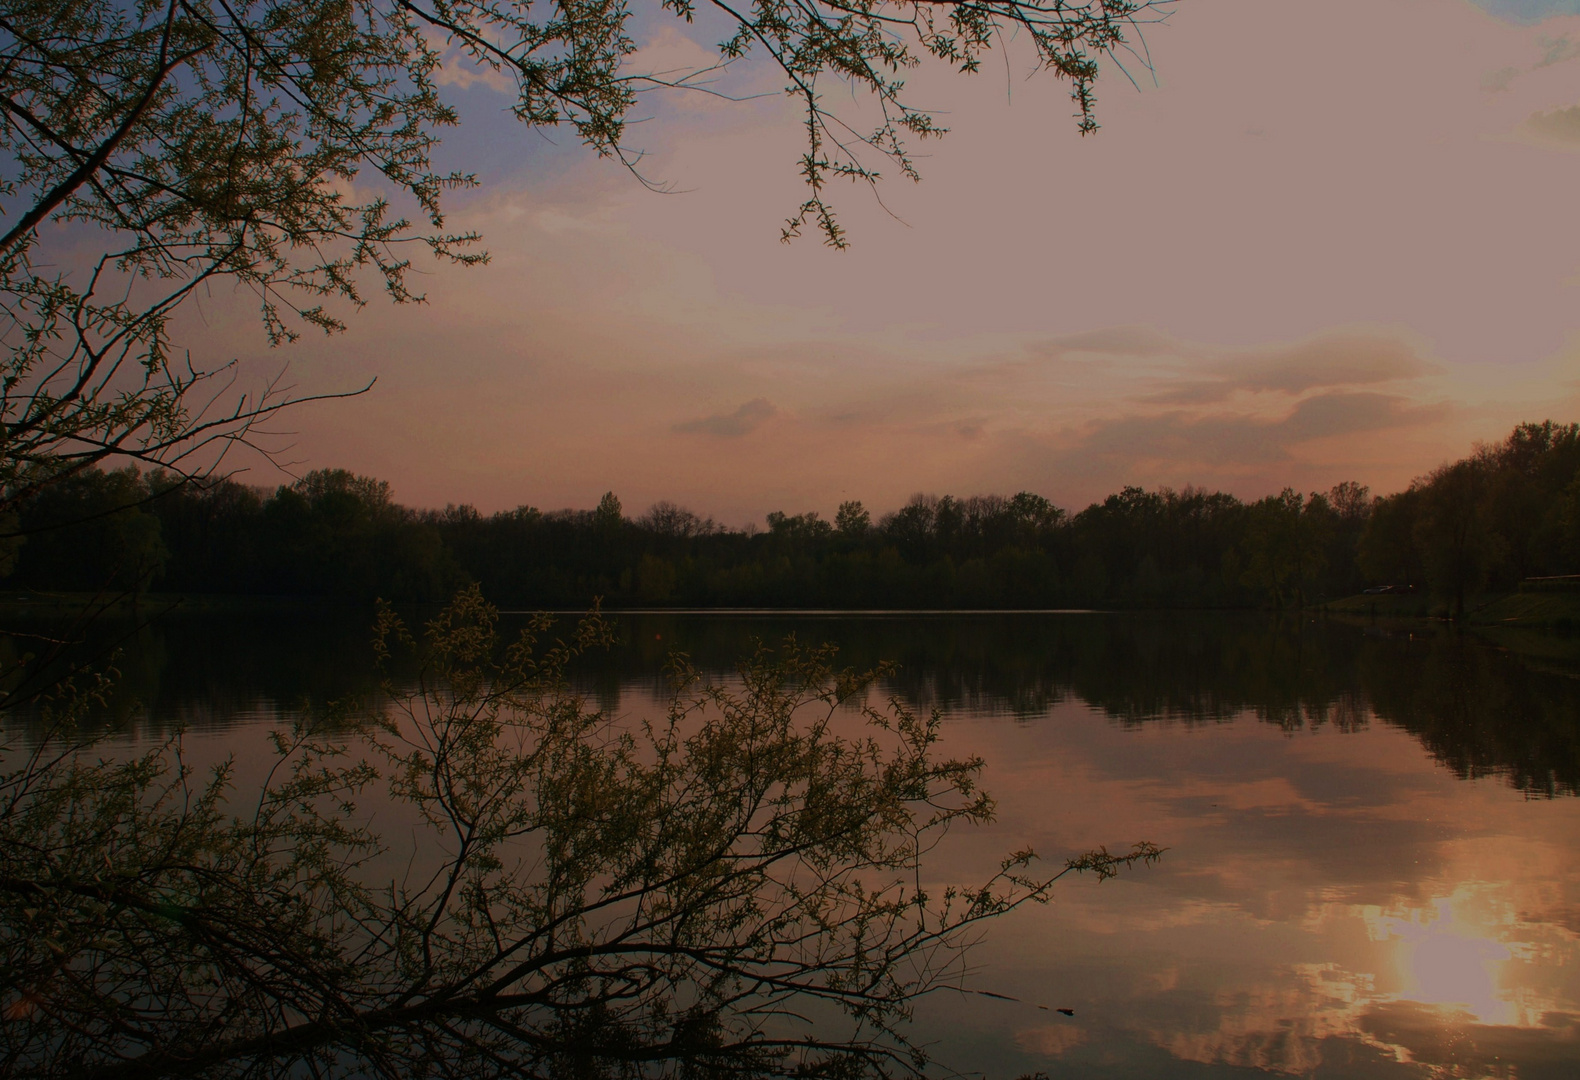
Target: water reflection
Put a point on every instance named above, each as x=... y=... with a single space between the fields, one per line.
x=1372 y=867
x=1332 y=904
x=1478 y=709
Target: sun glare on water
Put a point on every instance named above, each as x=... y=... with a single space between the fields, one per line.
x=1443 y=961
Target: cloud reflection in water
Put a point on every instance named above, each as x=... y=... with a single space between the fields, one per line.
x=1334 y=902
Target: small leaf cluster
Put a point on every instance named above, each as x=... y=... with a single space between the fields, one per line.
x=869 y=46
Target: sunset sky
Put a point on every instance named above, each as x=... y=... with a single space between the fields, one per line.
x=1331 y=241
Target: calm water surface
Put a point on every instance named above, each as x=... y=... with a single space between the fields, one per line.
x=1373 y=835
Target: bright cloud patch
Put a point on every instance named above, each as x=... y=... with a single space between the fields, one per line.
x=1331 y=360
x=1178 y=445
x=1559 y=126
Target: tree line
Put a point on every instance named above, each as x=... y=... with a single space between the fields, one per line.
x=1508 y=511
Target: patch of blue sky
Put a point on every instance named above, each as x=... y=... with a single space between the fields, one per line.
x=1529 y=11
x=491 y=144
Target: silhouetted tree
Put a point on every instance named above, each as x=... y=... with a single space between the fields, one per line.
x=92 y=531
x=287 y=147
x=1452 y=530
x=852 y=520
x=1286 y=535
x=338 y=534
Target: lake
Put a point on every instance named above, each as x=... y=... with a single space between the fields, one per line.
x=1372 y=830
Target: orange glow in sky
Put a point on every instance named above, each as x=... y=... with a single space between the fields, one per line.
x=1332 y=241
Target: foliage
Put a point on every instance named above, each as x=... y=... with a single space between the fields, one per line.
x=852 y=519
x=161 y=147
x=96 y=533
x=333 y=534
x=735 y=888
x=1494 y=518
x=1508 y=512
x=1285 y=537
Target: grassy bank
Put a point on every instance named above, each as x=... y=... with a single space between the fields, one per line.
x=1543 y=627
x=1535 y=610
x=1388 y=606
x=1545 y=610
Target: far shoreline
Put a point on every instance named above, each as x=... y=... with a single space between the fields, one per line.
x=1554 y=611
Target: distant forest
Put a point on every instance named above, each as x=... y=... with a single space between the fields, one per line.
x=1507 y=512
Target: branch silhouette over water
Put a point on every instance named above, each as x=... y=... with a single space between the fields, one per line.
x=734 y=889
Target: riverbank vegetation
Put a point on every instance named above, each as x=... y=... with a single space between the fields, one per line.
x=1507 y=513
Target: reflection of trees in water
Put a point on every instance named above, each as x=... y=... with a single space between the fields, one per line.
x=1136 y=668
x=202 y=670
x=484 y=879
x=1478 y=710
x=1481 y=711
x=1206 y=670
